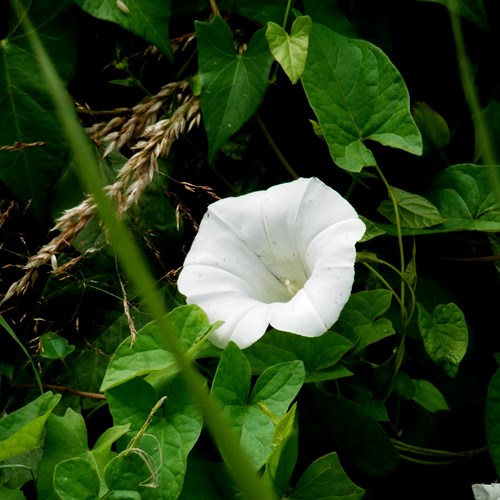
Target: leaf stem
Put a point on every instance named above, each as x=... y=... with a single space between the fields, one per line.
x=275 y=148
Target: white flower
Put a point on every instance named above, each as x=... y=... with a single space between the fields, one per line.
x=283 y=257
x=486 y=491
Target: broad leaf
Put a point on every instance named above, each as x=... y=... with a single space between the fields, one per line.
x=232 y=84
x=262 y=11
x=169 y=437
x=356 y=433
x=357 y=94
x=27 y=121
x=250 y=415
x=358 y=320
x=319 y=355
x=473 y=10
x=54 y=346
x=150 y=352
x=445 y=335
x=492 y=420
x=290 y=50
x=429 y=396
x=76 y=478
x=325 y=478
x=329 y=14
x=414 y=210
x=23 y=430
x=147 y=18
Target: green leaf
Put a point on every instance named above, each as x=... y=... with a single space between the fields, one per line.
x=232 y=85
x=262 y=11
x=23 y=430
x=250 y=417
x=130 y=472
x=54 y=346
x=173 y=431
x=279 y=467
x=358 y=320
x=432 y=126
x=428 y=396
x=26 y=112
x=492 y=419
x=8 y=494
x=445 y=335
x=356 y=433
x=414 y=210
x=357 y=94
x=76 y=479
x=325 y=478
x=473 y=10
x=491 y=116
x=148 y=19
x=319 y=355
x=150 y=352
x=329 y=14
x=290 y=50
x=372 y=230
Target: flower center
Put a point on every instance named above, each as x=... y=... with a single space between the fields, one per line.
x=292 y=286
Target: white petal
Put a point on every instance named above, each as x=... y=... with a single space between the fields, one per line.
x=486 y=491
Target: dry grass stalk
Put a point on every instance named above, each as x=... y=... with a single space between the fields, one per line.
x=155 y=139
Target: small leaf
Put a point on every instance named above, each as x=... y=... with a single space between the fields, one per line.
x=54 y=346
x=357 y=94
x=445 y=335
x=23 y=430
x=428 y=396
x=325 y=478
x=232 y=85
x=76 y=479
x=372 y=230
x=290 y=50
x=358 y=320
x=414 y=210
x=432 y=125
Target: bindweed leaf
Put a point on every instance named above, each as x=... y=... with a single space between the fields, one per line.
x=358 y=320
x=172 y=432
x=54 y=346
x=320 y=355
x=414 y=211
x=357 y=94
x=76 y=479
x=432 y=126
x=290 y=50
x=150 y=352
x=146 y=18
x=262 y=11
x=250 y=415
x=429 y=396
x=445 y=335
x=232 y=84
x=325 y=478
x=23 y=430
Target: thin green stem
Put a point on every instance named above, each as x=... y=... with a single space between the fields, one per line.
x=287 y=13
x=140 y=275
x=383 y=280
x=275 y=148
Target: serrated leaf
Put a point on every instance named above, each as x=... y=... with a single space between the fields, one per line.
x=445 y=335
x=325 y=478
x=26 y=111
x=275 y=389
x=148 y=19
x=358 y=320
x=23 y=430
x=232 y=85
x=169 y=437
x=290 y=50
x=319 y=355
x=76 y=479
x=429 y=396
x=357 y=94
x=414 y=211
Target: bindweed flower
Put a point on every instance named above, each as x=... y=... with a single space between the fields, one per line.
x=282 y=257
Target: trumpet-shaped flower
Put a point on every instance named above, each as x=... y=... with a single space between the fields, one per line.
x=282 y=257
